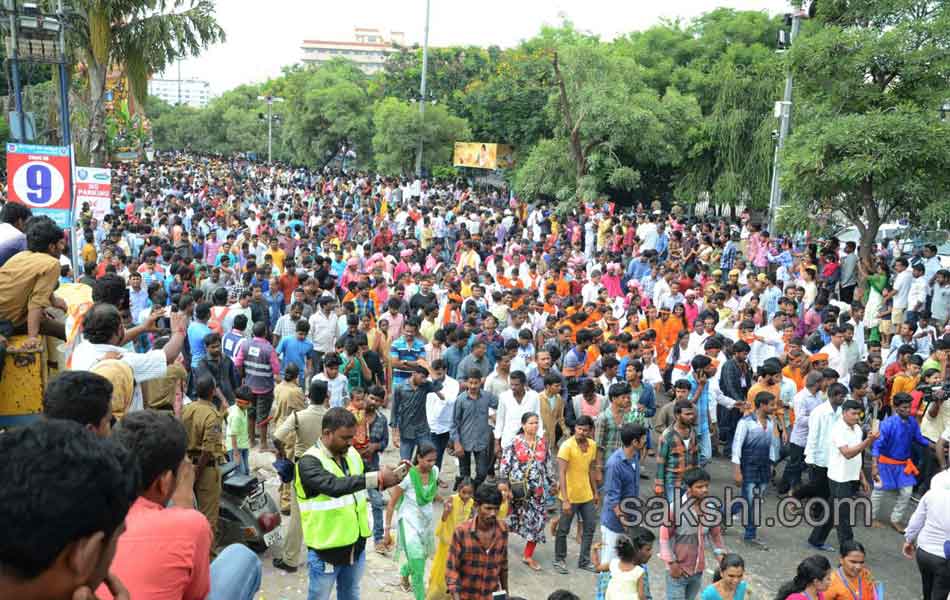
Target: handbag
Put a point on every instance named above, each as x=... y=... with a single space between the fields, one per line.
x=519 y=487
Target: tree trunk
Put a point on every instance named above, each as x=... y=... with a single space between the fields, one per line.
x=572 y=126
x=94 y=137
x=868 y=231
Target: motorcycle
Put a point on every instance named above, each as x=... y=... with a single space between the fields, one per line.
x=248 y=514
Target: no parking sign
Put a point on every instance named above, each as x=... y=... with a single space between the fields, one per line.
x=40 y=178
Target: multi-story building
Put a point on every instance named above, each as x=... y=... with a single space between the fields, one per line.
x=368 y=49
x=192 y=92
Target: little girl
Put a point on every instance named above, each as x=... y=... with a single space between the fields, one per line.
x=456 y=510
x=623 y=576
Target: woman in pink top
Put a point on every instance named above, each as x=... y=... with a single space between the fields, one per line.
x=811 y=580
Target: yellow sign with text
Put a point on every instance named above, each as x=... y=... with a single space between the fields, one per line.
x=479 y=155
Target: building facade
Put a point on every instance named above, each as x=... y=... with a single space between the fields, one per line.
x=368 y=49
x=194 y=92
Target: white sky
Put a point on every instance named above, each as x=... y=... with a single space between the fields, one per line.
x=264 y=36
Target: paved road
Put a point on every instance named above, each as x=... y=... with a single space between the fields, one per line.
x=766 y=570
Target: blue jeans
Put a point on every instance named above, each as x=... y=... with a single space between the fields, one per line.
x=408 y=445
x=244 y=467
x=378 y=503
x=705 y=448
x=684 y=588
x=235 y=574
x=750 y=491
x=323 y=576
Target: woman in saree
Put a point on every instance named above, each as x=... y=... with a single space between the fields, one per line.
x=874 y=299
x=413 y=498
x=525 y=464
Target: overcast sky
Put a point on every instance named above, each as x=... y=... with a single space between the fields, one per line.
x=264 y=36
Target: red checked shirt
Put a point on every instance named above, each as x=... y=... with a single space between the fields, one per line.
x=473 y=571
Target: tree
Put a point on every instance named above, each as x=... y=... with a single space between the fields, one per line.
x=141 y=37
x=870 y=78
x=726 y=60
x=612 y=123
x=328 y=108
x=507 y=105
x=399 y=126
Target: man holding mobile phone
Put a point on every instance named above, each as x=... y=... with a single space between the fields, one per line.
x=330 y=479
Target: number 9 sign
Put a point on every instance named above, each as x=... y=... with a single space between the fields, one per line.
x=39 y=177
x=38 y=184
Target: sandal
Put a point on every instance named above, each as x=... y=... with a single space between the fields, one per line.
x=533 y=564
x=405 y=586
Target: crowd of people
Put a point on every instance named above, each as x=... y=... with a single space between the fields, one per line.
x=526 y=364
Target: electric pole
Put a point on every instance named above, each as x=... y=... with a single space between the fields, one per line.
x=422 y=91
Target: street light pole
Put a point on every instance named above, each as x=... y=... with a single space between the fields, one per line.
x=422 y=91
x=775 y=198
x=270 y=122
x=11 y=6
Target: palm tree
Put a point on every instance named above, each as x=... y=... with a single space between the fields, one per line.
x=140 y=37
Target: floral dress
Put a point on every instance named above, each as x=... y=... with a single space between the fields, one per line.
x=521 y=462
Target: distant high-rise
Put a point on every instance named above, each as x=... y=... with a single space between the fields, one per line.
x=194 y=92
x=368 y=49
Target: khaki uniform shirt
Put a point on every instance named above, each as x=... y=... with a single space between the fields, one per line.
x=204 y=424
x=303 y=431
x=27 y=281
x=288 y=397
x=160 y=393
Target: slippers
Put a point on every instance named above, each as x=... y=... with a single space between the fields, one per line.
x=533 y=564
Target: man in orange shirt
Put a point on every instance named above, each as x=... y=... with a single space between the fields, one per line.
x=770 y=380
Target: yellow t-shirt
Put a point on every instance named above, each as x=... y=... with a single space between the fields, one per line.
x=578 y=470
x=278 y=256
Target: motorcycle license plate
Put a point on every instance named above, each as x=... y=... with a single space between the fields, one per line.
x=272 y=538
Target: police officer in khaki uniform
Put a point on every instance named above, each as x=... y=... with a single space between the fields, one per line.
x=204 y=422
x=297 y=434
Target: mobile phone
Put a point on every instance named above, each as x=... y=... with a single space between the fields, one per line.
x=500 y=595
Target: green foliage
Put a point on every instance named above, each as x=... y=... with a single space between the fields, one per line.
x=399 y=127
x=140 y=37
x=870 y=78
x=327 y=109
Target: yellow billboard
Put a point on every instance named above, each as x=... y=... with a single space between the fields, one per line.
x=478 y=155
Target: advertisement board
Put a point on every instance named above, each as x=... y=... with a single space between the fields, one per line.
x=480 y=155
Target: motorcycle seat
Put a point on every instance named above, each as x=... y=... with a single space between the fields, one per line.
x=239 y=485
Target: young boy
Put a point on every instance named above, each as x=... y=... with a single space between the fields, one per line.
x=297 y=350
x=337 y=383
x=238 y=441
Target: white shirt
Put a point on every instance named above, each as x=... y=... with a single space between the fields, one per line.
x=841 y=469
x=589 y=292
x=837 y=360
x=151 y=365
x=771 y=347
x=323 y=329
x=901 y=286
x=820 y=422
x=508 y=416
x=918 y=293
x=439 y=411
x=648 y=236
x=929 y=526
x=338 y=388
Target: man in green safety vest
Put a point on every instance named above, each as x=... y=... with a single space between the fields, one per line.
x=331 y=486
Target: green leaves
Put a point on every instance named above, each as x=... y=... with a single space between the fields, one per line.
x=868 y=143
x=399 y=127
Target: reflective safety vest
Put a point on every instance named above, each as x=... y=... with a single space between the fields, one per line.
x=329 y=522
